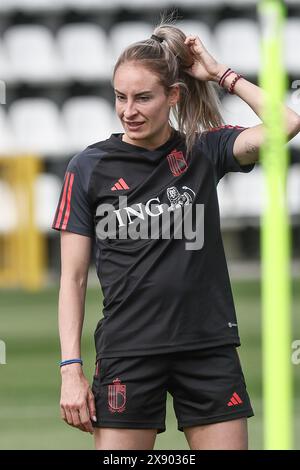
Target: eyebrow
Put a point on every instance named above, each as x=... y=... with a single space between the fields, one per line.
x=137 y=94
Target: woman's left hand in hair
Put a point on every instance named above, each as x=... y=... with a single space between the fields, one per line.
x=204 y=67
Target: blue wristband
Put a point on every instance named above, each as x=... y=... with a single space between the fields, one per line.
x=71 y=361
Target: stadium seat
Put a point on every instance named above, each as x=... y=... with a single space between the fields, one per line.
x=116 y=124
x=124 y=34
x=196 y=4
x=39 y=5
x=32 y=54
x=293 y=189
x=84 y=51
x=91 y=5
x=200 y=29
x=248 y=193
x=6 y=140
x=87 y=119
x=9 y=218
x=225 y=197
x=37 y=127
x=7 y=6
x=46 y=191
x=237 y=112
x=5 y=66
x=240 y=3
x=291 y=41
x=242 y=55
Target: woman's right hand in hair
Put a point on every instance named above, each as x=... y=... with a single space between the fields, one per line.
x=204 y=67
x=77 y=404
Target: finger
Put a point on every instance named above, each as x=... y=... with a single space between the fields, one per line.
x=85 y=420
x=92 y=406
x=190 y=38
x=81 y=426
x=63 y=414
x=69 y=417
x=75 y=417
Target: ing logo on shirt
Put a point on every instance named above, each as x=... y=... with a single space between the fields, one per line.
x=153 y=220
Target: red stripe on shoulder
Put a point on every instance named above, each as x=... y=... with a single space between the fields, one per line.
x=227 y=126
x=67 y=213
x=62 y=202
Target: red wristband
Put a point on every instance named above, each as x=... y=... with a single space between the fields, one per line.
x=233 y=83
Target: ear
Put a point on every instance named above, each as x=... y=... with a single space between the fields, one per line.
x=174 y=95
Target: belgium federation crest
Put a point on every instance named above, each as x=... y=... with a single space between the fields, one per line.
x=116 y=396
x=177 y=162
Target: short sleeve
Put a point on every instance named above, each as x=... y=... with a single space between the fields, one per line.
x=73 y=212
x=218 y=145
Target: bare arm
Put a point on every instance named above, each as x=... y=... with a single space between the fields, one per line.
x=75 y=259
x=77 y=401
x=247 y=144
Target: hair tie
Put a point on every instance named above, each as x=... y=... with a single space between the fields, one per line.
x=157 y=38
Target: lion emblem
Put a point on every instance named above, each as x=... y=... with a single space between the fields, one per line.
x=178 y=200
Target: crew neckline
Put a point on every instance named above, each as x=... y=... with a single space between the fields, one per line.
x=117 y=138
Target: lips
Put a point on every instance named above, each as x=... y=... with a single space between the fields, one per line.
x=133 y=125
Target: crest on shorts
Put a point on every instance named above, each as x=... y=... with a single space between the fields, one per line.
x=117 y=396
x=177 y=162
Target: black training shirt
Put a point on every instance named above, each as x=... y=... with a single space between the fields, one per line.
x=158 y=296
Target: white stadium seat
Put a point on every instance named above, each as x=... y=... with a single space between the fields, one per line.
x=238 y=113
x=84 y=51
x=6 y=73
x=225 y=197
x=293 y=189
x=39 y=5
x=116 y=124
x=87 y=119
x=32 y=54
x=6 y=140
x=124 y=34
x=237 y=43
x=46 y=193
x=240 y=3
x=248 y=192
x=37 y=127
x=197 y=3
x=291 y=42
x=7 y=6
x=94 y=5
x=200 y=29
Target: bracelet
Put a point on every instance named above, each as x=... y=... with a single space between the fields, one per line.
x=227 y=75
x=71 y=361
x=236 y=78
x=224 y=75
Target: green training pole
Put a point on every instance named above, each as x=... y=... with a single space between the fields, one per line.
x=275 y=238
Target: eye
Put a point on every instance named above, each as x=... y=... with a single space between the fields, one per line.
x=144 y=98
x=120 y=97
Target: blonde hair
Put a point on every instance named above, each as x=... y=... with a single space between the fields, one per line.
x=198 y=108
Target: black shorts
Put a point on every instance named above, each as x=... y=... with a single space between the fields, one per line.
x=207 y=386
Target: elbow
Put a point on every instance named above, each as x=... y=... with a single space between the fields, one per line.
x=78 y=280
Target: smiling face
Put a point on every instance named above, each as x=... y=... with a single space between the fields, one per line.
x=142 y=105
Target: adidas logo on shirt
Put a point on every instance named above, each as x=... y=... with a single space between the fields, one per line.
x=120 y=184
x=235 y=400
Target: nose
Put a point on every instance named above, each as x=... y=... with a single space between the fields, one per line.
x=129 y=110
